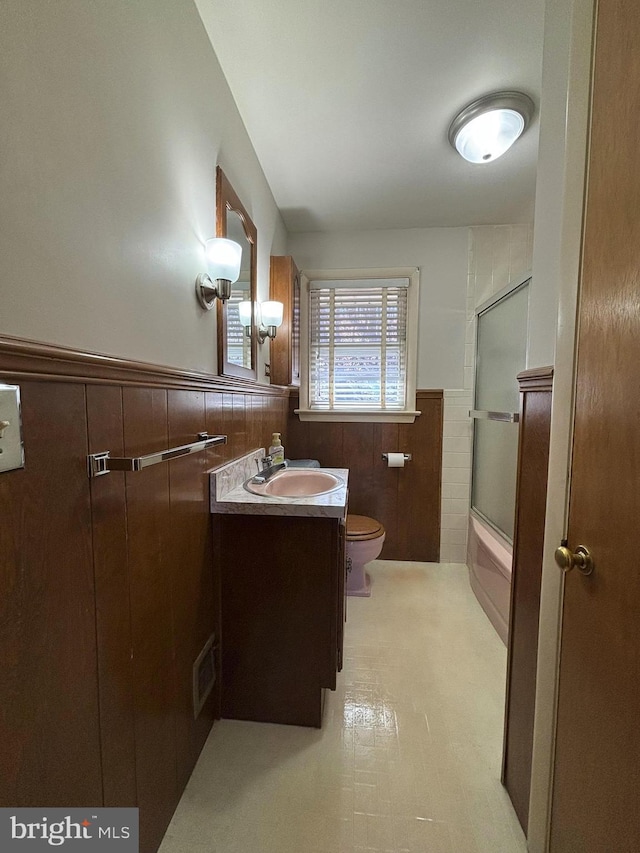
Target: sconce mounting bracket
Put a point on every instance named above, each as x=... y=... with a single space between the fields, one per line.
x=207 y=291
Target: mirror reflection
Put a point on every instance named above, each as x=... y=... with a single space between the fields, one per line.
x=238 y=341
x=237 y=346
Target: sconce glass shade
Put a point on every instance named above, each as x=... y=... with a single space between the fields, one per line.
x=223 y=258
x=488 y=127
x=271 y=313
x=244 y=310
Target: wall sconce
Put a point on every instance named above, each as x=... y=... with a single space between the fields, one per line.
x=244 y=312
x=271 y=313
x=488 y=127
x=223 y=259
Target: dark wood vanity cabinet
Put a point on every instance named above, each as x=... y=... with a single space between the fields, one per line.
x=282 y=601
x=284 y=287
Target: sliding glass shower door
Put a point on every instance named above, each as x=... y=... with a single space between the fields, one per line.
x=501 y=346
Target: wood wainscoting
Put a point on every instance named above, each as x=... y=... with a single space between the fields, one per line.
x=108 y=592
x=522 y=647
x=405 y=500
x=108 y=589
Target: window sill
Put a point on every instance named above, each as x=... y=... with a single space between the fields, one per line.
x=357 y=416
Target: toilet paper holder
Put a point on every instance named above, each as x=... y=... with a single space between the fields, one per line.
x=407 y=457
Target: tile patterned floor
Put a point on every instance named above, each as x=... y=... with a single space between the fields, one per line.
x=408 y=759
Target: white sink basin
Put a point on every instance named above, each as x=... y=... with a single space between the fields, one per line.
x=296 y=483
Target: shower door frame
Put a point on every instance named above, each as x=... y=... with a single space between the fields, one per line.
x=508 y=290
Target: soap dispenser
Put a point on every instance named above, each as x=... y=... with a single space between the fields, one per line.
x=276 y=451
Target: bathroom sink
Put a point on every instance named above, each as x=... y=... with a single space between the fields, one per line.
x=296 y=483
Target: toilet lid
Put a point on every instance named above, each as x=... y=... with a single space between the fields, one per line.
x=360 y=527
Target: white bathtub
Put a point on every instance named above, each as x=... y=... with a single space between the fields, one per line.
x=489 y=559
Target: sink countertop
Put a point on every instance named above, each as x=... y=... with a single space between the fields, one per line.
x=228 y=495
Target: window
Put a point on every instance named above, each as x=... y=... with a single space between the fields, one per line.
x=359 y=345
x=238 y=343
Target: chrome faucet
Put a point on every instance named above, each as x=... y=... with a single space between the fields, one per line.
x=268 y=469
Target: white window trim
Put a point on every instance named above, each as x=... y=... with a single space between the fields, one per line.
x=404 y=416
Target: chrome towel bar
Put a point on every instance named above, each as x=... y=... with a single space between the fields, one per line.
x=505 y=417
x=102 y=463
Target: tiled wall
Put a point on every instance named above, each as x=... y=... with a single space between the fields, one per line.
x=498 y=254
x=456 y=476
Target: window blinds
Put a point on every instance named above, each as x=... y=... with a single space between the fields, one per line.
x=358 y=345
x=238 y=344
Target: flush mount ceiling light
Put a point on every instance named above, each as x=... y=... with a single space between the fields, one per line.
x=488 y=127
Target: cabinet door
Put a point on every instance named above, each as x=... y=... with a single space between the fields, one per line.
x=279 y=623
x=285 y=348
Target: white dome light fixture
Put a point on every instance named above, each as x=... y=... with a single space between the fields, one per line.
x=488 y=127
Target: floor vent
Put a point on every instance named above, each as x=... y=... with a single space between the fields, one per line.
x=204 y=676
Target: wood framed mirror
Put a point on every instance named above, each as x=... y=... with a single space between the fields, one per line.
x=237 y=351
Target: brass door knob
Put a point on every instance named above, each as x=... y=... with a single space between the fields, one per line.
x=579 y=559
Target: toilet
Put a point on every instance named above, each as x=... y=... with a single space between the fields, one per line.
x=365 y=538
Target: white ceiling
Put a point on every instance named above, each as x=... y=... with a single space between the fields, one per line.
x=348 y=103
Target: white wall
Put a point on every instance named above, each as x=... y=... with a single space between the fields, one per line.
x=441 y=254
x=114 y=115
x=560 y=165
x=556 y=263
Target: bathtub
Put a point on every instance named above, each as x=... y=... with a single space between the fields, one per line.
x=489 y=558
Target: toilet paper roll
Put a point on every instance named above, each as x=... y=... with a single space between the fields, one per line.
x=395 y=460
